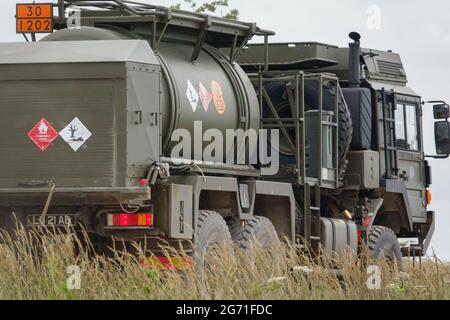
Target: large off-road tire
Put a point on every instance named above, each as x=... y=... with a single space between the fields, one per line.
x=211 y=231
x=279 y=97
x=383 y=243
x=259 y=229
x=345 y=130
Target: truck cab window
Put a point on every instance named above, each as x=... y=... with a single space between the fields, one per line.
x=407 y=133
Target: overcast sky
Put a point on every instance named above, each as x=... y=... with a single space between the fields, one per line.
x=418 y=30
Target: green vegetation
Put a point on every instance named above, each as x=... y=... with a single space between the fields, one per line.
x=280 y=273
x=212 y=7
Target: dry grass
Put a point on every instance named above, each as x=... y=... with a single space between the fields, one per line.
x=280 y=273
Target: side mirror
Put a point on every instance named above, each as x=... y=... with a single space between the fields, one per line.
x=441 y=111
x=442 y=137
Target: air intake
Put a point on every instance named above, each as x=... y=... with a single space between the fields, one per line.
x=390 y=68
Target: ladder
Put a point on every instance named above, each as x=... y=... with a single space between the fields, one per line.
x=294 y=83
x=312 y=222
x=293 y=128
x=308 y=187
x=388 y=104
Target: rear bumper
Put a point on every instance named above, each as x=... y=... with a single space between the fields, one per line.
x=72 y=196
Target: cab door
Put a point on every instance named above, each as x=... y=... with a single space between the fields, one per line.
x=408 y=131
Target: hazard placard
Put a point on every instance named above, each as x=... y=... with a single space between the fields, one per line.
x=192 y=95
x=218 y=98
x=205 y=96
x=43 y=134
x=34 y=18
x=75 y=134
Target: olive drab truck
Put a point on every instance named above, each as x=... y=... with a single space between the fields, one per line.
x=94 y=113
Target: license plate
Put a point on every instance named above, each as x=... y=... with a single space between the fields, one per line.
x=55 y=220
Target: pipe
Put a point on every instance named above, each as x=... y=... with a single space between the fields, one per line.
x=206 y=164
x=354 y=67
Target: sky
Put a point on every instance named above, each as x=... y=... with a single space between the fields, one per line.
x=418 y=30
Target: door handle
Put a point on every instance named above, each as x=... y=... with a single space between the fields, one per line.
x=154 y=122
x=404 y=176
x=137 y=117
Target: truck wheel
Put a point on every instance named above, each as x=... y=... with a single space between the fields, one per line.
x=212 y=231
x=382 y=242
x=257 y=228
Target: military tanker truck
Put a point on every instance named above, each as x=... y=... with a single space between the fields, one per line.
x=326 y=143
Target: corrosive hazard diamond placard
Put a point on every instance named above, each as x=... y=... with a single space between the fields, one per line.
x=43 y=134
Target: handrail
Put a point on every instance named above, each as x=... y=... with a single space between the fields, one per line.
x=168 y=16
x=142 y=9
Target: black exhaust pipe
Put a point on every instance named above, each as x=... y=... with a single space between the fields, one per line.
x=354 y=67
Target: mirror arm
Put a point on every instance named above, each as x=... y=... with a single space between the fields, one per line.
x=437 y=101
x=438 y=157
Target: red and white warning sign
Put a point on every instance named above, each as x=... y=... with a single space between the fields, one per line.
x=205 y=96
x=43 y=134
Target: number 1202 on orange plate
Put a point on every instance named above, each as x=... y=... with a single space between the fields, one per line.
x=34 y=18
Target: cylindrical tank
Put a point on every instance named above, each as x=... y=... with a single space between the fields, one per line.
x=210 y=89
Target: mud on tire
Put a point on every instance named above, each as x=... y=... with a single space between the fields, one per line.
x=382 y=242
x=257 y=228
x=211 y=231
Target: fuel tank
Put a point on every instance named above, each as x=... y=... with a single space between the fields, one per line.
x=210 y=90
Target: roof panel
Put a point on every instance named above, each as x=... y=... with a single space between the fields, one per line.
x=138 y=51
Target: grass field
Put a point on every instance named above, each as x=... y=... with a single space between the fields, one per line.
x=279 y=273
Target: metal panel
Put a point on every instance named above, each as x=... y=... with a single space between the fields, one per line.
x=273 y=189
x=25 y=103
x=396 y=186
x=365 y=169
x=180 y=212
x=339 y=235
x=384 y=66
x=143 y=121
x=49 y=52
x=209 y=183
x=392 y=87
x=360 y=105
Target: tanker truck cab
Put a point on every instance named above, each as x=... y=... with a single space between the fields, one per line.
x=386 y=180
x=397 y=137
x=404 y=170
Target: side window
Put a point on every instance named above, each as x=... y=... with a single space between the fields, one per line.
x=400 y=129
x=411 y=127
x=406 y=127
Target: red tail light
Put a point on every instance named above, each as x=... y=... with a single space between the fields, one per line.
x=130 y=220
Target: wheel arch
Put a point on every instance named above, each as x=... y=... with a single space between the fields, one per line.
x=276 y=202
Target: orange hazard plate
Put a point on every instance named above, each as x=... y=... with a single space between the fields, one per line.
x=34 y=18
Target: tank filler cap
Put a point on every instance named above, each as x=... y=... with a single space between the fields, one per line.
x=355 y=36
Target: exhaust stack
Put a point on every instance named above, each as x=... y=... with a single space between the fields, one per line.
x=354 y=67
